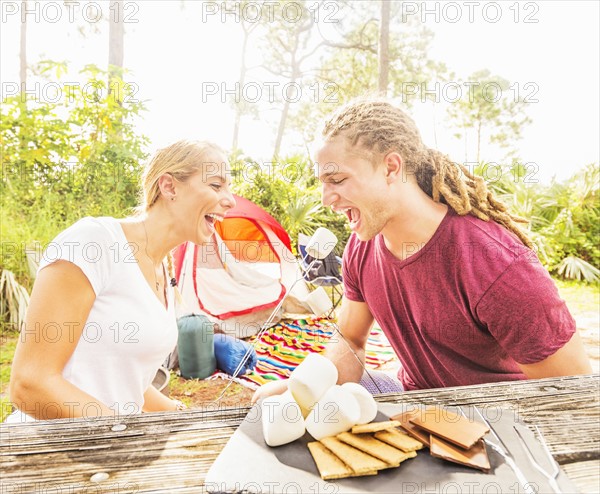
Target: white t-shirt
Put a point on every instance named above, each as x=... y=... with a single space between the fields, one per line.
x=128 y=333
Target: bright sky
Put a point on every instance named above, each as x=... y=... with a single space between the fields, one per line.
x=172 y=53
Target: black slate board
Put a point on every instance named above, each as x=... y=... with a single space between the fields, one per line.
x=247 y=464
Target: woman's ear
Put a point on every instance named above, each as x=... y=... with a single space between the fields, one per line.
x=166 y=184
x=393 y=166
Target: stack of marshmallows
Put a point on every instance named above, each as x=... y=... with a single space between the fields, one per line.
x=315 y=403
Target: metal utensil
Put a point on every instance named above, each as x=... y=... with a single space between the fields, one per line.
x=550 y=476
x=500 y=448
x=266 y=325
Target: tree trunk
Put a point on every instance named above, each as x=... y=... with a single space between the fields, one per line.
x=384 y=47
x=466 y=133
x=478 y=140
x=295 y=75
x=282 y=122
x=435 y=142
x=238 y=110
x=116 y=35
x=23 y=46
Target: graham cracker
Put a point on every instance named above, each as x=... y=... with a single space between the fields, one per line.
x=376 y=448
x=359 y=462
x=375 y=427
x=399 y=440
x=330 y=466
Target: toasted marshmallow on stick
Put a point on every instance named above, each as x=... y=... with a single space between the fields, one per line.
x=337 y=411
x=311 y=379
x=322 y=242
x=282 y=419
x=368 y=405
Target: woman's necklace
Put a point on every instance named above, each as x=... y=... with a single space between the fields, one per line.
x=148 y=256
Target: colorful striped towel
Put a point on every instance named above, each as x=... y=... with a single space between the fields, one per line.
x=281 y=348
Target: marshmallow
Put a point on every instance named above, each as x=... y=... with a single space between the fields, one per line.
x=368 y=405
x=337 y=411
x=318 y=301
x=321 y=243
x=311 y=379
x=282 y=419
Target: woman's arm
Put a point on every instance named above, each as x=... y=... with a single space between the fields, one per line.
x=61 y=301
x=155 y=401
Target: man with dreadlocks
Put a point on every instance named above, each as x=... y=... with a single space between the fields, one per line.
x=437 y=261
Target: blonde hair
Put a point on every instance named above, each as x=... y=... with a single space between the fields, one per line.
x=181 y=160
x=378 y=126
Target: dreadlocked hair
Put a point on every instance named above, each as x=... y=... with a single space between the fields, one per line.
x=380 y=127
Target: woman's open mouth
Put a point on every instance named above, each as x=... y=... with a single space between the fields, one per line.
x=211 y=219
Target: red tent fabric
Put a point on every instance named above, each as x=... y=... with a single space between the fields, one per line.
x=243 y=231
x=243 y=272
x=251 y=212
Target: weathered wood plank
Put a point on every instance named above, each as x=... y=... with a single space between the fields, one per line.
x=585 y=475
x=172 y=452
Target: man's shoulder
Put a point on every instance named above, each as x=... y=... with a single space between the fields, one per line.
x=490 y=237
x=489 y=253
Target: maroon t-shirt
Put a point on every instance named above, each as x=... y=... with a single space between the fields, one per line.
x=463 y=309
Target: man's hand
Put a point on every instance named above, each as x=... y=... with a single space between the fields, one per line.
x=355 y=323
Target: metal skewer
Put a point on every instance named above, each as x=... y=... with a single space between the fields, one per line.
x=502 y=450
x=267 y=324
x=550 y=476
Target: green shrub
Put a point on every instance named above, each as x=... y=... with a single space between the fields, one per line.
x=290 y=192
x=79 y=156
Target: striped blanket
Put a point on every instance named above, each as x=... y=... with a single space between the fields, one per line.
x=281 y=348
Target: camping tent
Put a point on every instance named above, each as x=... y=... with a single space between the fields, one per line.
x=242 y=274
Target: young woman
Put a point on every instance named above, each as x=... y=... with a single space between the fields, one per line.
x=101 y=318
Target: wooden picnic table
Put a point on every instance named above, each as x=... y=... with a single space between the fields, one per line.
x=172 y=452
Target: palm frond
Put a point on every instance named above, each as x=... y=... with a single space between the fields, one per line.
x=575 y=268
x=14 y=299
x=302 y=214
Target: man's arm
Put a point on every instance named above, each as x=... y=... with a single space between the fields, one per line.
x=570 y=360
x=355 y=322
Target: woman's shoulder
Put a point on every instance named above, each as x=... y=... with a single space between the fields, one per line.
x=87 y=238
x=92 y=228
x=92 y=244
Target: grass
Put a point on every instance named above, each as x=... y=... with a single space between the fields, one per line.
x=583 y=300
x=580 y=297
x=199 y=393
x=8 y=343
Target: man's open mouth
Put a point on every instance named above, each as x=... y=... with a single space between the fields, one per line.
x=353 y=215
